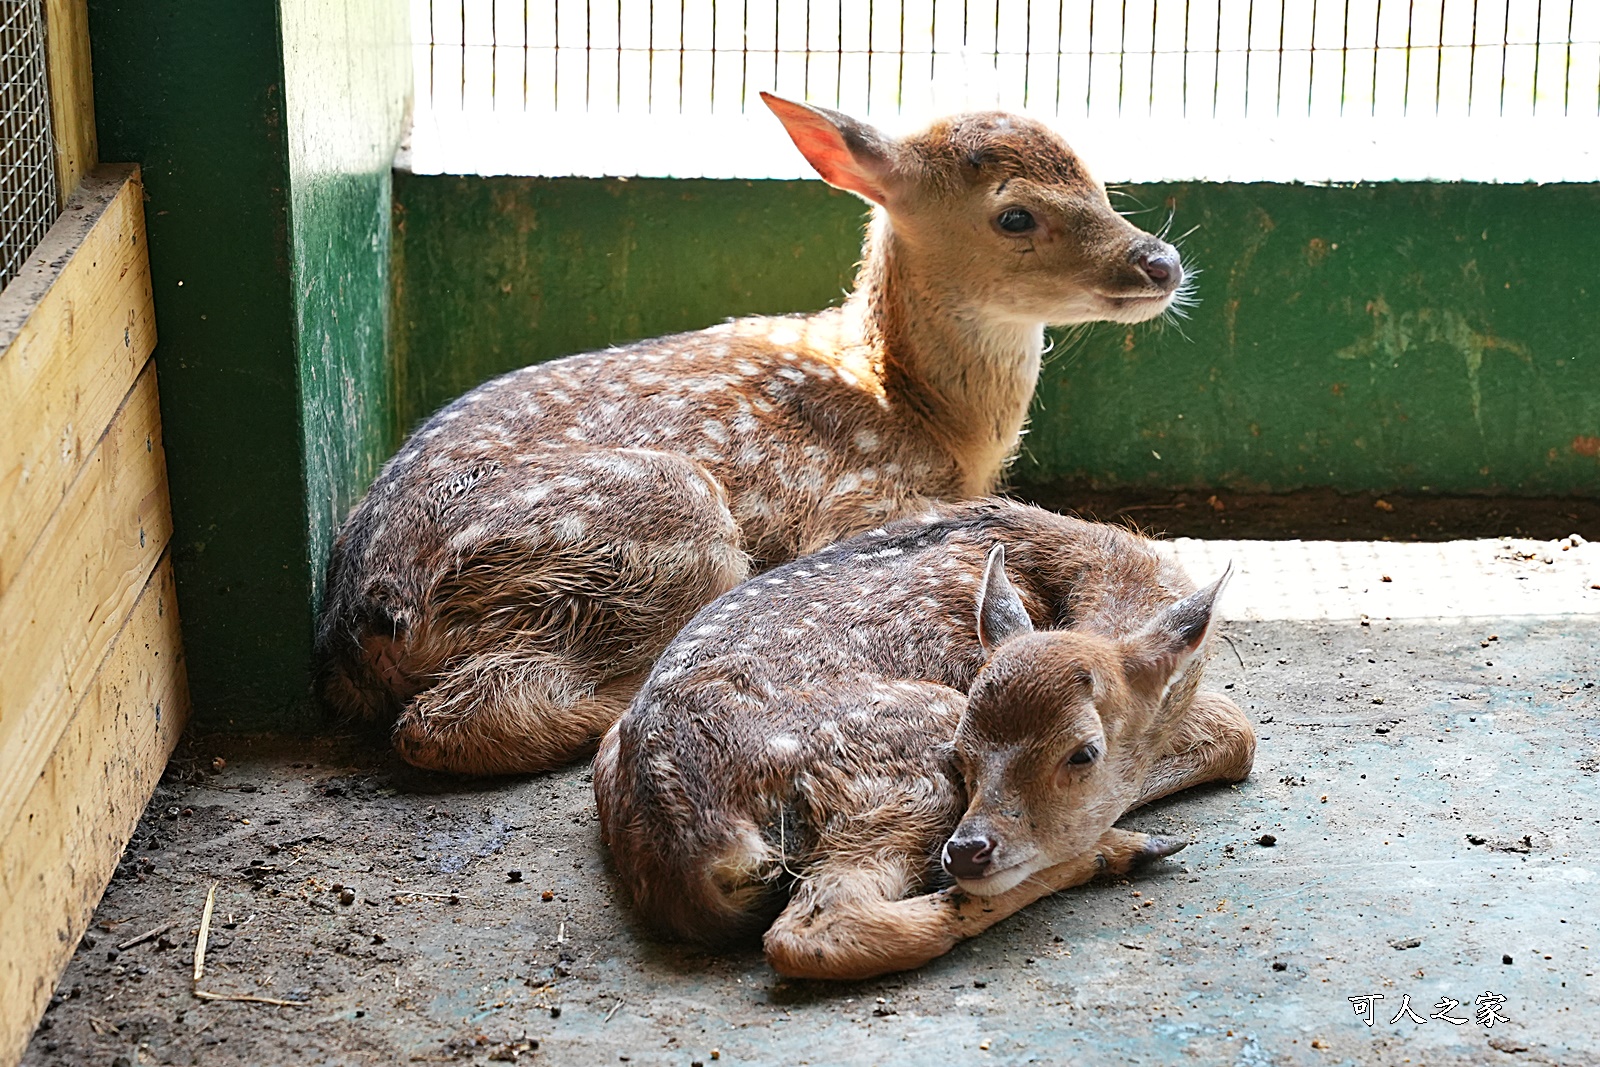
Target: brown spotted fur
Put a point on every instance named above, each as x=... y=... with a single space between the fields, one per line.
x=809 y=743
x=535 y=544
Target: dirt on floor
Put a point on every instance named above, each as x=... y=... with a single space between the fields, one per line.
x=1323 y=514
x=1422 y=823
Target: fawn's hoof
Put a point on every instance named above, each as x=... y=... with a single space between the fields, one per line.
x=1156 y=846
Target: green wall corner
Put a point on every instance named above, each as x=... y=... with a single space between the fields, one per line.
x=269 y=256
x=348 y=90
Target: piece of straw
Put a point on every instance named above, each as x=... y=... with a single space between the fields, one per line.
x=205 y=933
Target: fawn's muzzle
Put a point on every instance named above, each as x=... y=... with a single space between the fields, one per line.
x=968 y=857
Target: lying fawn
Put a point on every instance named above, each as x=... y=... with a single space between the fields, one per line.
x=816 y=744
x=521 y=562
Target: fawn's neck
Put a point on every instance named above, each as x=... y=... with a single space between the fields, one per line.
x=965 y=373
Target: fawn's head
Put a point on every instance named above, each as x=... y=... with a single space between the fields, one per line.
x=1001 y=203
x=1056 y=737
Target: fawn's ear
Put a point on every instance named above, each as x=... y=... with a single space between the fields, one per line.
x=1001 y=615
x=1173 y=637
x=849 y=155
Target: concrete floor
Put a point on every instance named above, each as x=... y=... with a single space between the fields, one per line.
x=1430 y=778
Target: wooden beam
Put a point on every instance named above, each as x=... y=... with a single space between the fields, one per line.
x=76 y=327
x=59 y=616
x=66 y=46
x=81 y=807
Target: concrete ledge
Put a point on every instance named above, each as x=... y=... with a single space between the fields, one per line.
x=1303 y=580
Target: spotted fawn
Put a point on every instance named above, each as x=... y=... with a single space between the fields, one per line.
x=518 y=566
x=824 y=749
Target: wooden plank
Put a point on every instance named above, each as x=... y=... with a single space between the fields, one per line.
x=66 y=45
x=82 y=806
x=60 y=615
x=76 y=327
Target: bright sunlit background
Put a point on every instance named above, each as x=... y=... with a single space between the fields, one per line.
x=1312 y=90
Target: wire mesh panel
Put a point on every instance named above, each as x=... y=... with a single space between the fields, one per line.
x=1228 y=59
x=28 y=202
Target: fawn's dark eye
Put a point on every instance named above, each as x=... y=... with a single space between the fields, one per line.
x=1015 y=220
x=1084 y=756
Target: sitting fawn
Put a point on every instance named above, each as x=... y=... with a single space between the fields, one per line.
x=521 y=562
x=817 y=744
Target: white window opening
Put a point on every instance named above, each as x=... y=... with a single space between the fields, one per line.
x=1147 y=90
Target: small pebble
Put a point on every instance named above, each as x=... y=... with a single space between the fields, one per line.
x=547 y=895
x=1506 y=960
x=1266 y=840
x=979 y=983
x=555 y=1012
x=513 y=876
x=1279 y=965
x=347 y=895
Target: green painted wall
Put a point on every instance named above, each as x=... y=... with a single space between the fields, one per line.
x=269 y=256
x=347 y=74
x=496 y=273
x=1420 y=337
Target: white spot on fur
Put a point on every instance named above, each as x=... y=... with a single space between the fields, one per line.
x=790 y=374
x=569 y=527
x=753 y=506
x=468 y=536
x=866 y=440
x=847 y=483
x=784 y=746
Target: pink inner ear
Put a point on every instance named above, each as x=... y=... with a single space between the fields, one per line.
x=824 y=148
x=825 y=151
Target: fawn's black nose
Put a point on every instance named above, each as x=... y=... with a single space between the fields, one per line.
x=968 y=857
x=1162 y=267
